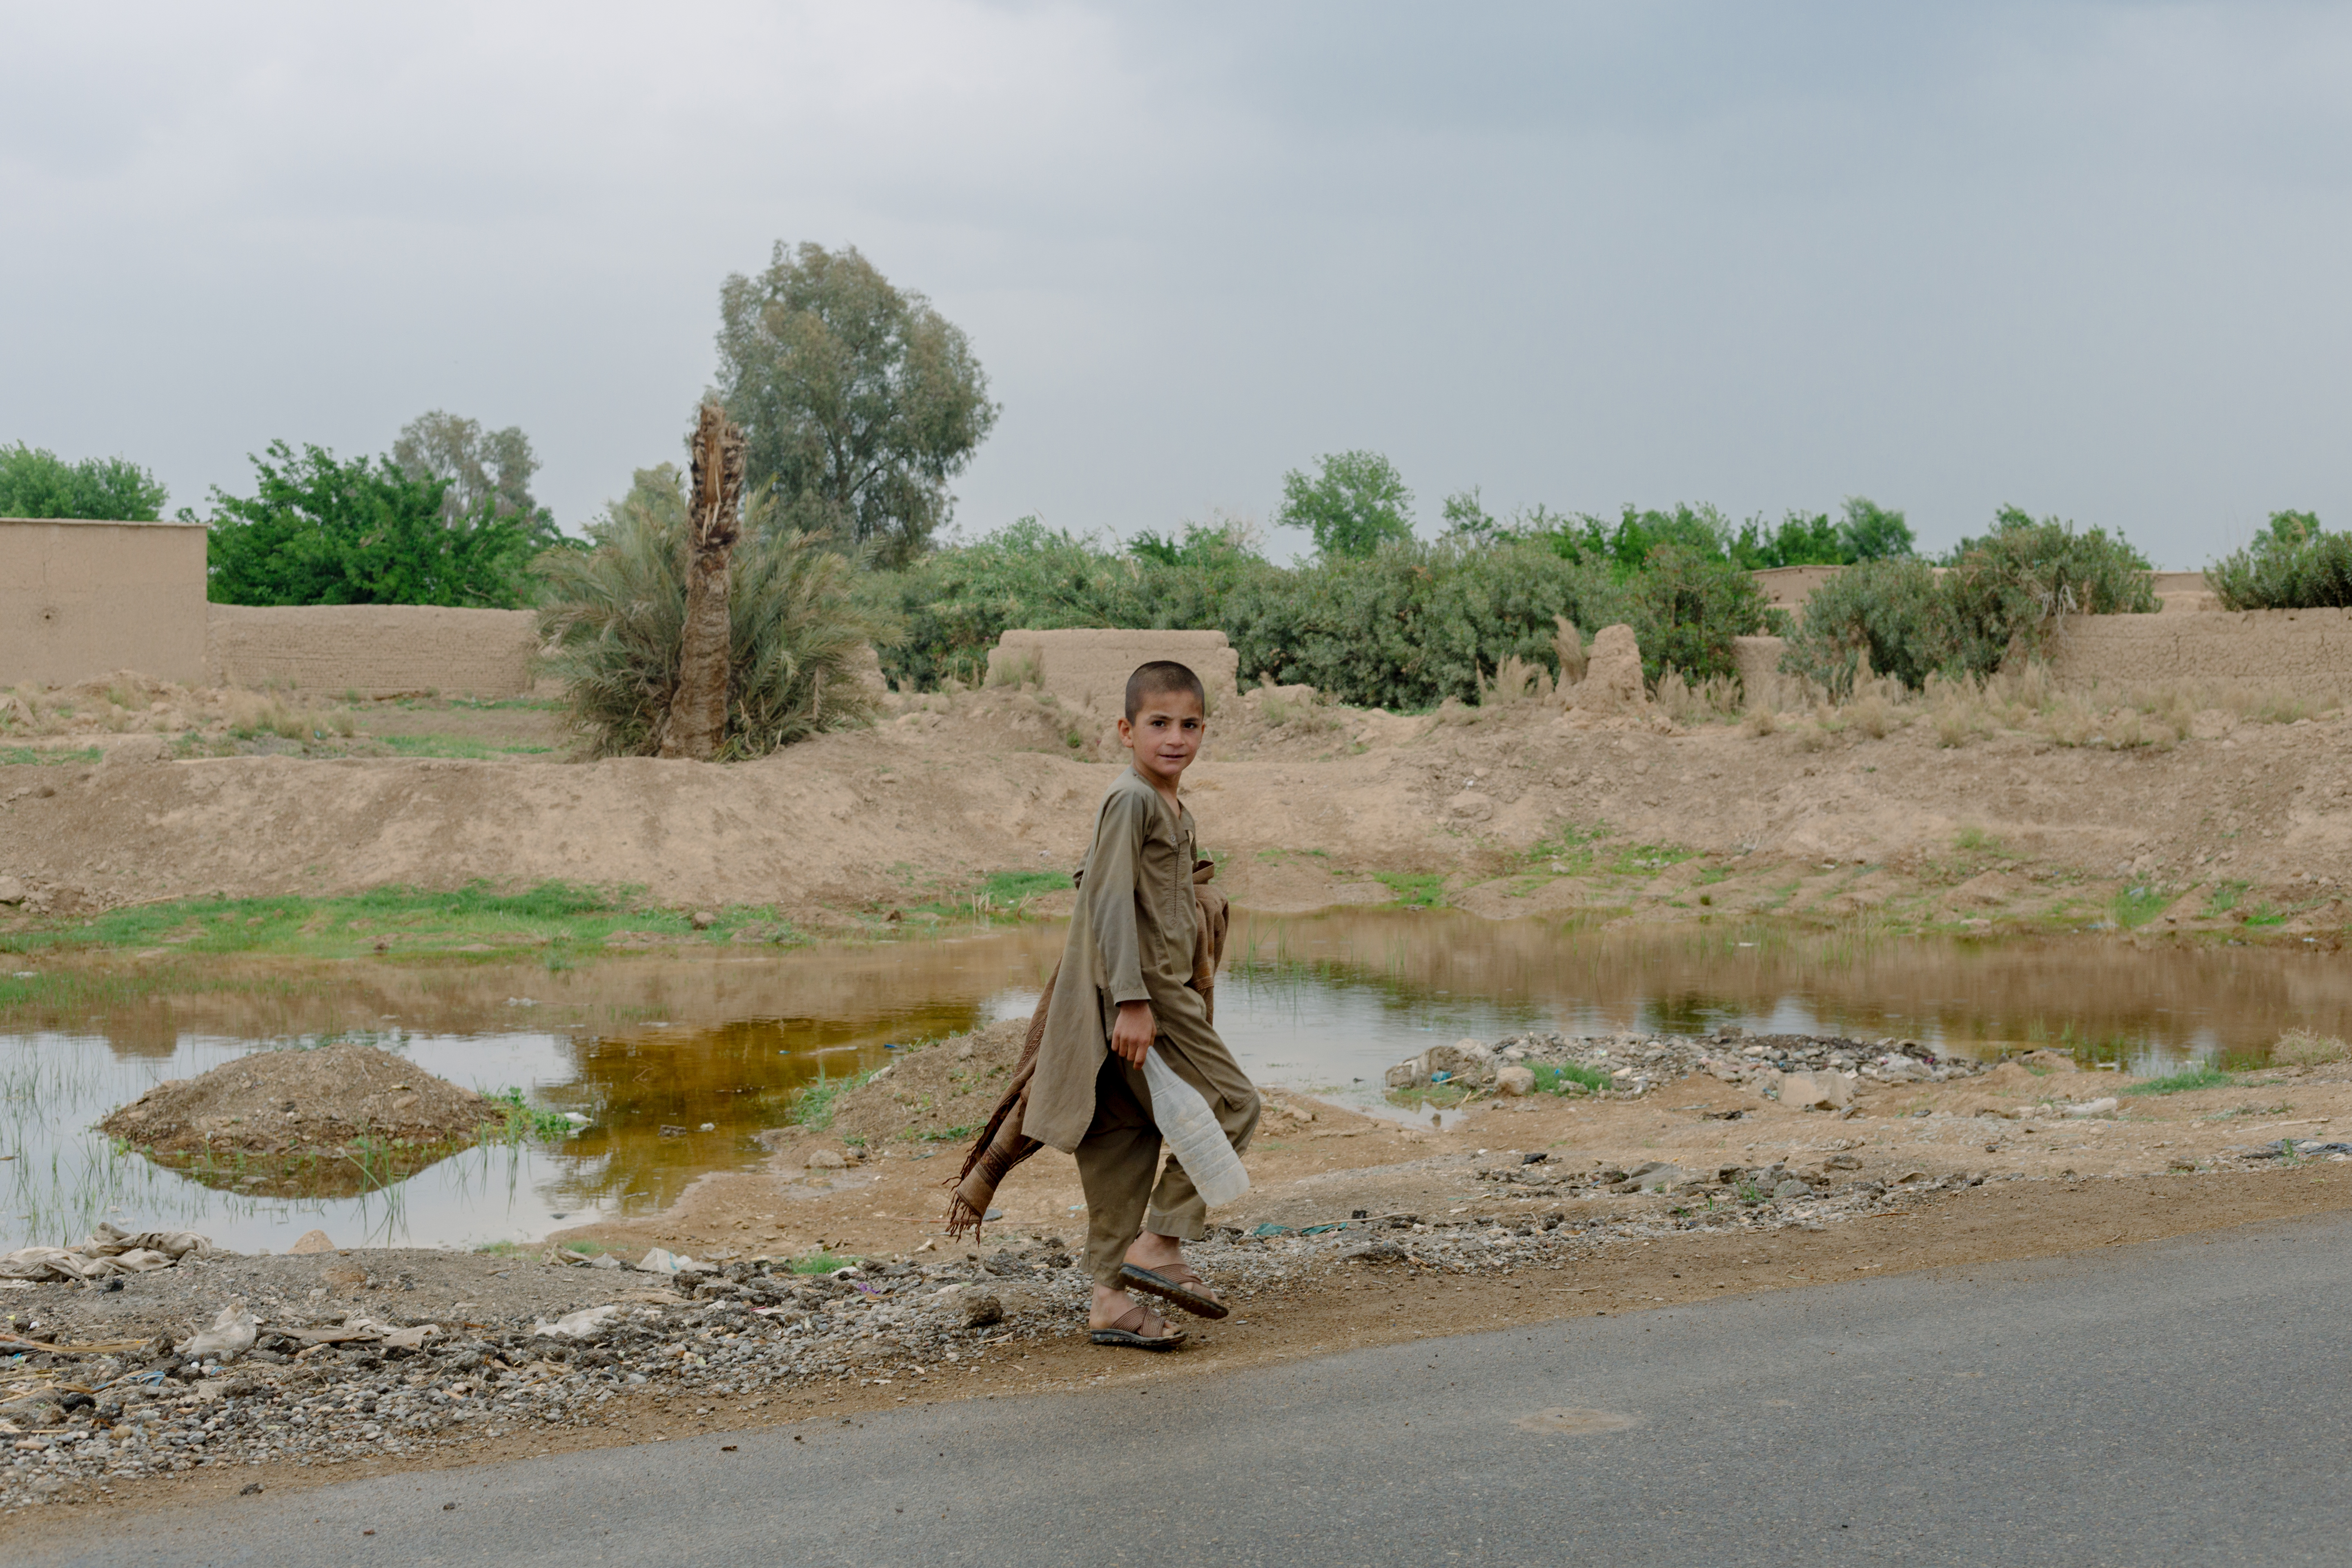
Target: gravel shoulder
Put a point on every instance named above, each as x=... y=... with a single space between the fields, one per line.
x=1358 y=1232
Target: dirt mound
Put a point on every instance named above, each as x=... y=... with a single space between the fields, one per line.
x=941 y=1093
x=293 y=1118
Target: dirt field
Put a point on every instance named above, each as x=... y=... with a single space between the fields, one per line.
x=1510 y=811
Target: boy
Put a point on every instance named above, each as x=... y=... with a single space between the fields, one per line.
x=1127 y=983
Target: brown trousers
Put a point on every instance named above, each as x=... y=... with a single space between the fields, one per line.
x=1120 y=1152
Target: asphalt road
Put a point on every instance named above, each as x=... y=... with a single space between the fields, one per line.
x=2168 y=1404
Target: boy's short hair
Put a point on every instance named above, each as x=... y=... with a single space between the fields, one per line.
x=1157 y=679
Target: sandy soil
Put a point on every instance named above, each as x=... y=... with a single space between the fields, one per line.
x=2239 y=822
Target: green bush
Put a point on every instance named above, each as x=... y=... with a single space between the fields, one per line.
x=938 y=618
x=319 y=532
x=1685 y=609
x=1891 y=610
x=1412 y=624
x=616 y=614
x=2293 y=565
x=2010 y=589
x=38 y=483
x=2000 y=599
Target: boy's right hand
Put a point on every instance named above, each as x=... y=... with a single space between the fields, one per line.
x=1133 y=1034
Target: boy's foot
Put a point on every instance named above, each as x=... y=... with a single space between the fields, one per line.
x=1177 y=1282
x=1138 y=1328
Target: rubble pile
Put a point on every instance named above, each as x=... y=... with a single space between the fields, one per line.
x=1625 y=1064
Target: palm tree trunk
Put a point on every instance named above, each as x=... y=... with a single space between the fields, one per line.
x=698 y=709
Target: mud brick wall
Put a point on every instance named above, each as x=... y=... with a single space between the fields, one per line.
x=376 y=650
x=2307 y=652
x=1088 y=668
x=1787 y=588
x=78 y=600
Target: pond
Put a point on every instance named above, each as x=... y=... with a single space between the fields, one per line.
x=714 y=1048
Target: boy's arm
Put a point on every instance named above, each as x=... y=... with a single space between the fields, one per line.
x=1109 y=892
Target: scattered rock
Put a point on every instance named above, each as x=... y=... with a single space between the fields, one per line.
x=980 y=1307
x=1515 y=1080
x=1816 y=1091
x=310 y=1241
x=703 y=919
x=12 y=891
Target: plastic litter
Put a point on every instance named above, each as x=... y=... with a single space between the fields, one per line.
x=585 y=1323
x=1193 y=1136
x=108 y=1252
x=231 y=1335
x=660 y=1260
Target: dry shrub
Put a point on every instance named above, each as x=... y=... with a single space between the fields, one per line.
x=2307 y=1047
x=252 y=713
x=1762 y=720
x=1568 y=643
x=1017 y=671
x=1305 y=712
x=1515 y=681
x=1956 y=708
x=1677 y=701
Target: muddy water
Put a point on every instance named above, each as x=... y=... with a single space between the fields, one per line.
x=678 y=1062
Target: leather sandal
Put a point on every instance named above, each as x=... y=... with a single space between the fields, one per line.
x=1127 y=1331
x=1178 y=1283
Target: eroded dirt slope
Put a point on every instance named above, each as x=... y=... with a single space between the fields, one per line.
x=1524 y=811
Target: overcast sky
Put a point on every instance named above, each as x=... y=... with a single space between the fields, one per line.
x=2088 y=258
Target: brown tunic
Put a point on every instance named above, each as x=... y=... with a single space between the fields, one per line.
x=1132 y=939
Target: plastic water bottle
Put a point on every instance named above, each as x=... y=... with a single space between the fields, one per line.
x=1193 y=1136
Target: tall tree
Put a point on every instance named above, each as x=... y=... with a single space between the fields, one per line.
x=483 y=470
x=35 y=482
x=857 y=400
x=1355 y=503
x=698 y=714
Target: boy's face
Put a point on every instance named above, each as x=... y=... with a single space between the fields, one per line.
x=1164 y=735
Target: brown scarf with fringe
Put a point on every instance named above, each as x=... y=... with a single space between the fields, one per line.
x=1001 y=1145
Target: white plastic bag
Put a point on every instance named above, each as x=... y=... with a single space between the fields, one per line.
x=1193 y=1136
x=231 y=1335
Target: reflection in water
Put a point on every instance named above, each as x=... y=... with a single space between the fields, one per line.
x=652 y=1050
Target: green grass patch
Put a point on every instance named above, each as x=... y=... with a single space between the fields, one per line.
x=26 y=756
x=2138 y=906
x=519 y=1120
x=1006 y=888
x=1573 y=1078
x=462 y=746
x=2267 y=914
x=1977 y=841
x=1647 y=859
x=813 y=1103
x=2223 y=899
x=1568 y=850
x=946 y=1134
x=2202 y=1076
x=822 y=1262
x=1415 y=889
x=564 y=917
